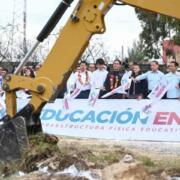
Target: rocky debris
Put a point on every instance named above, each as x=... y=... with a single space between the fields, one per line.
x=50 y=139
x=55 y=163
x=45 y=158
x=6 y=171
x=30 y=162
x=133 y=170
x=174 y=173
x=49 y=159
x=124 y=171
x=58 y=163
x=53 y=166
x=39 y=176
x=71 y=173
x=128 y=159
x=164 y=176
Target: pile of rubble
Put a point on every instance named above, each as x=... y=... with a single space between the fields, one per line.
x=44 y=161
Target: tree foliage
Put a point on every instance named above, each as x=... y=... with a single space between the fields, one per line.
x=155 y=29
x=136 y=52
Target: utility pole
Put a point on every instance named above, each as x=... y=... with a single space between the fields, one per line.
x=122 y=53
x=24 y=27
x=18 y=32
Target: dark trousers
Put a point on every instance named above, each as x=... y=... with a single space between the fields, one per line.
x=101 y=94
x=115 y=96
x=171 y=98
x=83 y=95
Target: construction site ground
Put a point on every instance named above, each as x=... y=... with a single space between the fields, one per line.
x=104 y=159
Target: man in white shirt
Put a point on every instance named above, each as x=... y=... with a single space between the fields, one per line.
x=153 y=77
x=81 y=80
x=99 y=76
x=92 y=67
x=174 y=80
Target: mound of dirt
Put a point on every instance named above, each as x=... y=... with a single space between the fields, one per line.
x=48 y=157
x=127 y=171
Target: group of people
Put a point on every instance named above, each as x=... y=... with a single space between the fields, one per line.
x=106 y=79
x=3 y=72
x=28 y=71
x=99 y=76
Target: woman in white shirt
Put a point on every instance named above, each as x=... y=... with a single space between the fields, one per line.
x=99 y=76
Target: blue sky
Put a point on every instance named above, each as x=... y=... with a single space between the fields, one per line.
x=122 y=24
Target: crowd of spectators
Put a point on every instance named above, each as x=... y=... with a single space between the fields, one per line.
x=100 y=76
x=107 y=78
x=3 y=72
x=29 y=71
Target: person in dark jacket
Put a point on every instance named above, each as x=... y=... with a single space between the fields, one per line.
x=113 y=80
x=138 y=89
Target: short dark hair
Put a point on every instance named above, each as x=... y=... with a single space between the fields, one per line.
x=136 y=64
x=83 y=62
x=100 y=61
x=156 y=62
x=117 y=61
x=91 y=64
x=175 y=63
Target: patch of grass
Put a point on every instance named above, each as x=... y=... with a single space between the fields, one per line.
x=105 y=157
x=146 y=161
x=169 y=164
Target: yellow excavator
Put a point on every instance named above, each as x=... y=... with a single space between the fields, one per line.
x=87 y=19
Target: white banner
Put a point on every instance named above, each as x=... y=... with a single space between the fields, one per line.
x=113 y=119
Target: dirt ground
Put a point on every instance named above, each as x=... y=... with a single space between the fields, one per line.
x=103 y=158
x=155 y=150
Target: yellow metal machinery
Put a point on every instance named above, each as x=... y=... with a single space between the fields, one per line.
x=87 y=19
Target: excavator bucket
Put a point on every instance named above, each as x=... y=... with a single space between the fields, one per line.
x=13 y=139
x=14 y=133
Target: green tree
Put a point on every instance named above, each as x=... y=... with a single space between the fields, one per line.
x=155 y=29
x=136 y=52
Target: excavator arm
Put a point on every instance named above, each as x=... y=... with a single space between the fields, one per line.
x=87 y=19
x=165 y=7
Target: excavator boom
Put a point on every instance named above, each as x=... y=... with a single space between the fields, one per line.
x=166 y=7
x=87 y=19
